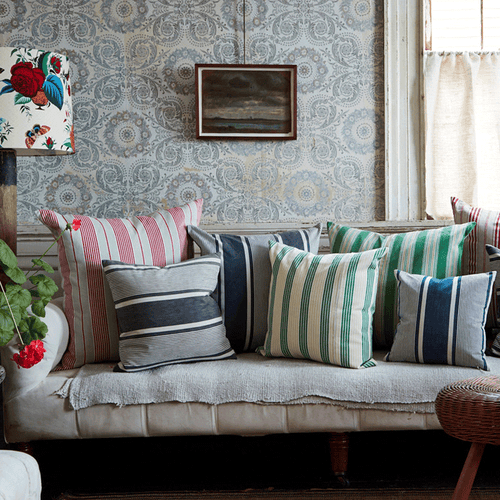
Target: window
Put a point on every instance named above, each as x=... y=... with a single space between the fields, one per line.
x=463 y=25
x=461 y=68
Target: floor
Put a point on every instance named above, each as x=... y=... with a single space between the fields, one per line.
x=417 y=459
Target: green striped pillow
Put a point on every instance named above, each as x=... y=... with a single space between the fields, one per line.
x=321 y=306
x=432 y=252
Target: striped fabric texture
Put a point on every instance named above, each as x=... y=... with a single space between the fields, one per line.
x=433 y=252
x=494 y=265
x=243 y=289
x=442 y=320
x=486 y=232
x=321 y=307
x=158 y=239
x=166 y=314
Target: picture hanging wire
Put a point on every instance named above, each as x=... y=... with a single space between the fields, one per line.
x=244 y=32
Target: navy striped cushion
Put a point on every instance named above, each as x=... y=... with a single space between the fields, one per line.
x=166 y=315
x=243 y=291
x=442 y=320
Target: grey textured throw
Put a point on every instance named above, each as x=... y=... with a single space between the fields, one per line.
x=253 y=378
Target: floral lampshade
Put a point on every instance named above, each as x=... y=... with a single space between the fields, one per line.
x=36 y=116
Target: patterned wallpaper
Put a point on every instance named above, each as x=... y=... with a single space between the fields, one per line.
x=132 y=72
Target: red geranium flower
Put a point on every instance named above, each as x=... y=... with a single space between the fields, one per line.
x=29 y=355
x=76 y=224
x=25 y=79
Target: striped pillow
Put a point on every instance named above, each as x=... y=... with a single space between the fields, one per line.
x=494 y=265
x=158 y=239
x=486 y=232
x=321 y=307
x=442 y=320
x=434 y=252
x=243 y=291
x=166 y=314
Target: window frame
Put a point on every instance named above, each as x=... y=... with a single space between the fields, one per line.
x=404 y=110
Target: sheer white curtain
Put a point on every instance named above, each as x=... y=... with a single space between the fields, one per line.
x=462 y=130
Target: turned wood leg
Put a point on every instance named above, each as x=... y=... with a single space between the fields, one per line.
x=25 y=447
x=466 y=479
x=339 y=453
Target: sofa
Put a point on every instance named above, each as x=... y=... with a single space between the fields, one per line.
x=261 y=383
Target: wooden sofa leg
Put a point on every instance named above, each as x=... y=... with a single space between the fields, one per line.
x=339 y=452
x=25 y=447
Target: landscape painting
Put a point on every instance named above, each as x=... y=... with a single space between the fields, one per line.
x=246 y=101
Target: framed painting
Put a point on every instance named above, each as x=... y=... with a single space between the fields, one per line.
x=245 y=101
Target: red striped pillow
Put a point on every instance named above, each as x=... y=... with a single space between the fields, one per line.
x=486 y=232
x=158 y=239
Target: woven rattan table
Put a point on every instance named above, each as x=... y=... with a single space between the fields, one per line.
x=470 y=410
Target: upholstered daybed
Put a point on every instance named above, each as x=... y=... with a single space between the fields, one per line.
x=263 y=383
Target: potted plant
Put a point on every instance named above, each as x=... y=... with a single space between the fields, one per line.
x=22 y=307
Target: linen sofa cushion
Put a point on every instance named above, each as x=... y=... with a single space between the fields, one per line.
x=321 y=307
x=158 y=239
x=486 y=232
x=243 y=289
x=434 y=252
x=442 y=320
x=166 y=314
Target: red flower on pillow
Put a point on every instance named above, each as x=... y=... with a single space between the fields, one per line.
x=29 y=355
x=25 y=79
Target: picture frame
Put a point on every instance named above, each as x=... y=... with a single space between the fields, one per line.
x=246 y=101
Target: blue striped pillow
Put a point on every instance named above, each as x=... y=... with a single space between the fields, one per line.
x=166 y=315
x=243 y=289
x=442 y=320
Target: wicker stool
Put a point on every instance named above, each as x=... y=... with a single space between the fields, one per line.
x=470 y=410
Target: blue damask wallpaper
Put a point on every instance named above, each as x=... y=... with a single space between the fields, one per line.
x=132 y=72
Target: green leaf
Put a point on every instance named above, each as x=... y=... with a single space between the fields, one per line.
x=44 y=63
x=33 y=328
x=38 y=308
x=18 y=296
x=21 y=99
x=8 y=258
x=44 y=265
x=6 y=322
x=15 y=274
x=6 y=336
x=45 y=285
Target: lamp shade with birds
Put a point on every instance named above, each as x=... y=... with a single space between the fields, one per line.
x=36 y=116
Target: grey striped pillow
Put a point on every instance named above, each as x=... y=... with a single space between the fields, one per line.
x=243 y=290
x=442 y=321
x=166 y=314
x=321 y=307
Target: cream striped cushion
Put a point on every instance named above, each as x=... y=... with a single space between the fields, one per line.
x=433 y=252
x=158 y=239
x=321 y=307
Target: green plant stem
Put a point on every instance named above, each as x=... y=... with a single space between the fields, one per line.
x=46 y=252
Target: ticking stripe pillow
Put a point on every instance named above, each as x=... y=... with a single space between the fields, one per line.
x=166 y=314
x=434 y=252
x=321 y=307
x=494 y=265
x=442 y=320
x=158 y=239
x=243 y=291
x=486 y=232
